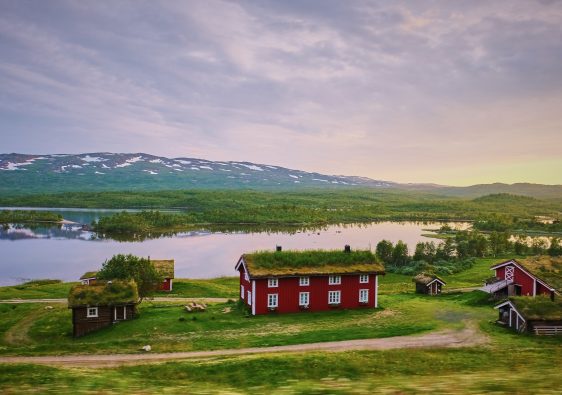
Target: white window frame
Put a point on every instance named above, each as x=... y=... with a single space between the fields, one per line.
x=364 y=279
x=272 y=300
x=92 y=312
x=304 y=281
x=272 y=283
x=249 y=298
x=304 y=295
x=363 y=296
x=334 y=280
x=334 y=297
x=246 y=277
x=242 y=291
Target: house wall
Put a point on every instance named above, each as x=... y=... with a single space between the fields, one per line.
x=106 y=314
x=523 y=279
x=247 y=286
x=166 y=285
x=288 y=293
x=421 y=288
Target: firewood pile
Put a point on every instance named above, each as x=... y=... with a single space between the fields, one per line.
x=195 y=307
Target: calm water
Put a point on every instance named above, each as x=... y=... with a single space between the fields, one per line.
x=66 y=252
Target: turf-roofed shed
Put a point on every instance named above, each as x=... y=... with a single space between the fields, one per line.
x=102 y=304
x=89 y=278
x=548 y=268
x=539 y=315
x=428 y=284
x=165 y=267
x=313 y=262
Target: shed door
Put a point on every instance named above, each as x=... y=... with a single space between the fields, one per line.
x=509 y=271
x=120 y=313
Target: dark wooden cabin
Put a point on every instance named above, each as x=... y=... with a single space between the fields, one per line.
x=102 y=304
x=539 y=315
x=428 y=284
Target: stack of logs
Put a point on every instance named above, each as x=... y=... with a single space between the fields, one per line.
x=195 y=307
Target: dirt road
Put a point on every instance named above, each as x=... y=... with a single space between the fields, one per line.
x=467 y=337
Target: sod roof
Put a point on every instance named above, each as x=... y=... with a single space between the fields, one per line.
x=109 y=293
x=538 y=308
x=312 y=262
x=547 y=268
x=164 y=266
x=425 y=279
x=91 y=274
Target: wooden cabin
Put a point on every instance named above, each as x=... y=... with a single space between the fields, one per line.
x=89 y=278
x=428 y=284
x=102 y=304
x=294 y=281
x=527 y=277
x=539 y=315
x=165 y=267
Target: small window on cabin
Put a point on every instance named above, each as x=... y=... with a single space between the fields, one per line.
x=272 y=283
x=334 y=280
x=304 y=281
x=272 y=300
x=92 y=312
x=249 y=298
x=246 y=277
x=242 y=291
x=363 y=295
x=334 y=297
x=364 y=278
x=304 y=298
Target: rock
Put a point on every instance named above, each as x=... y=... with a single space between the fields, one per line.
x=226 y=310
x=48 y=307
x=146 y=348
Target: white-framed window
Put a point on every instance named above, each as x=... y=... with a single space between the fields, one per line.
x=246 y=277
x=272 y=283
x=334 y=297
x=304 y=298
x=363 y=295
x=334 y=280
x=249 y=298
x=304 y=281
x=364 y=279
x=242 y=291
x=272 y=300
x=92 y=312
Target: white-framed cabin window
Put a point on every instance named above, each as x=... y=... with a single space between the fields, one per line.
x=334 y=297
x=92 y=312
x=272 y=300
x=242 y=291
x=304 y=298
x=246 y=277
x=363 y=295
x=272 y=283
x=304 y=281
x=249 y=298
x=334 y=280
x=364 y=279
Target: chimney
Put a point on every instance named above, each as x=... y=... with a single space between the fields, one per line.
x=347 y=248
x=278 y=248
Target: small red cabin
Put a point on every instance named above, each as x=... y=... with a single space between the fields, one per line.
x=294 y=281
x=527 y=277
x=165 y=267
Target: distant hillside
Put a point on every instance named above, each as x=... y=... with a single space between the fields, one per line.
x=539 y=191
x=504 y=198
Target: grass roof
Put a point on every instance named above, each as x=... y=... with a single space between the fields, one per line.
x=164 y=266
x=425 y=279
x=312 y=262
x=89 y=275
x=547 y=268
x=538 y=308
x=109 y=293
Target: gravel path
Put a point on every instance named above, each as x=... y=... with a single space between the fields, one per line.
x=467 y=337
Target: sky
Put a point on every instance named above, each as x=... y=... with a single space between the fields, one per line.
x=447 y=92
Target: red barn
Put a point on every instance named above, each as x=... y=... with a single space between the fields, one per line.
x=527 y=277
x=293 y=281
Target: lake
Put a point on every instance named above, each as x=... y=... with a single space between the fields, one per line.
x=66 y=252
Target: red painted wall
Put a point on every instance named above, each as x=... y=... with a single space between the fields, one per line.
x=166 y=285
x=247 y=286
x=288 y=293
x=524 y=280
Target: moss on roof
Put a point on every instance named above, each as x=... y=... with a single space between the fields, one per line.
x=103 y=294
x=91 y=274
x=425 y=279
x=548 y=268
x=164 y=267
x=538 y=308
x=312 y=262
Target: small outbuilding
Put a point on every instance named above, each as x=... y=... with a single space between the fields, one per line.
x=539 y=315
x=428 y=284
x=89 y=278
x=102 y=304
x=165 y=267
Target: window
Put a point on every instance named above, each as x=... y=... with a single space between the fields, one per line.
x=304 y=298
x=304 y=281
x=334 y=297
x=246 y=277
x=242 y=291
x=272 y=300
x=92 y=312
x=334 y=280
x=363 y=295
x=272 y=283
x=364 y=278
x=249 y=298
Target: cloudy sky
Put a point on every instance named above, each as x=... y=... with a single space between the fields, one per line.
x=451 y=92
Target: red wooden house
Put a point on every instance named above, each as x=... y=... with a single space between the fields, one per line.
x=527 y=277
x=293 y=281
x=165 y=267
